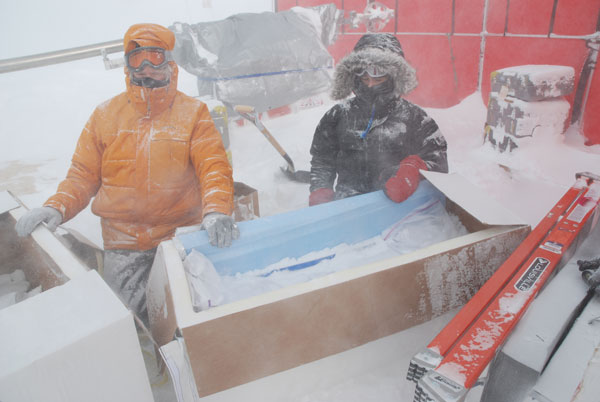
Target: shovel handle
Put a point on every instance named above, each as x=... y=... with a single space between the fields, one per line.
x=249 y=113
x=243 y=109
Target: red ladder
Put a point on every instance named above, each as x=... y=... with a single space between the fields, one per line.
x=455 y=358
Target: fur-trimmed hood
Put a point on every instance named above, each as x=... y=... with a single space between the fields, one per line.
x=382 y=50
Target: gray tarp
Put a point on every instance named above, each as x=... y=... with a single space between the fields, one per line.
x=263 y=60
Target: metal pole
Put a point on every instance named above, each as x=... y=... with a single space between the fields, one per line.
x=482 y=45
x=60 y=56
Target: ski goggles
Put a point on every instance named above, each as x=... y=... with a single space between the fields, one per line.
x=373 y=71
x=155 y=57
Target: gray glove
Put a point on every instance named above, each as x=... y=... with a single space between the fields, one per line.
x=31 y=219
x=221 y=229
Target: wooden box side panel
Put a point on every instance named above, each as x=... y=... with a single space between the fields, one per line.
x=254 y=343
x=159 y=297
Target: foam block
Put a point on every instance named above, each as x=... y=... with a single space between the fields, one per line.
x=74 y=342
x=293 y=234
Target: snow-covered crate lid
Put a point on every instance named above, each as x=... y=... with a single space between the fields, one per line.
x=44 y=258
x=533 y=82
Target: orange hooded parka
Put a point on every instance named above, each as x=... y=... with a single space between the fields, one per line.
x=151 y=157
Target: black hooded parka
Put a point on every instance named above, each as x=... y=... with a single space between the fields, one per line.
x=362 y=140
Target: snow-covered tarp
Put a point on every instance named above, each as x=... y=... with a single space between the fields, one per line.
x=265 y=60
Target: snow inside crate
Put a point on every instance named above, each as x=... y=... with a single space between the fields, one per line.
x=263 y=335
x=305 y=244
x=32 y=264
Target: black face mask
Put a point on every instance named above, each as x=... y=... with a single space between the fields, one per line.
x=381 y=93
x=148 y=82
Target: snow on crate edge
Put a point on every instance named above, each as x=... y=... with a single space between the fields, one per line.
x=458 y=270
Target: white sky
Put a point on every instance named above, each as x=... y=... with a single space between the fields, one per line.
x=37 y=26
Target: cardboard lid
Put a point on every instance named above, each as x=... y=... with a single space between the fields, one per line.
x=475 y=201
x=7 y=202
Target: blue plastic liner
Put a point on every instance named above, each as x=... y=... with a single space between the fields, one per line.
x=300 y=265
x=267 y=240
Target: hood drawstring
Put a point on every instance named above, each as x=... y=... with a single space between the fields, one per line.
x=364 y=133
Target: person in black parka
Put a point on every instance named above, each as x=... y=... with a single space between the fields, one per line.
x=374 y=140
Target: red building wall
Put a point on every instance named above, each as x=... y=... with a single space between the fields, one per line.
x=443 y=41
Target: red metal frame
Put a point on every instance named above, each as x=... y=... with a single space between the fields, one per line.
x=442 y=40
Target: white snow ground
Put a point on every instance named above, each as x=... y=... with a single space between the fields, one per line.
x=44 y=109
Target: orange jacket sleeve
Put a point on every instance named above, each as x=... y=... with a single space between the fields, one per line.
x=212 y=166
x=83 y=178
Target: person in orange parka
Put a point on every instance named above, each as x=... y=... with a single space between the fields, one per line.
x=153 y=160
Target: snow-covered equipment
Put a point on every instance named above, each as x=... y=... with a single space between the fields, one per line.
x=268 y=60
x=526 y=101
x=250 y=114
x=454 y=360
x=362 y=301
x=265 y=60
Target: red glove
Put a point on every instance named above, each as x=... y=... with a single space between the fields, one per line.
x=320 y=196
x=406 y=180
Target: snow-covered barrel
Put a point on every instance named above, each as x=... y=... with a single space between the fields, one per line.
x=527 y=102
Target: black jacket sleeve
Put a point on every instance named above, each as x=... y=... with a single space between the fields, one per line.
x=324 y=150
x=428 y=142
x=434 y=147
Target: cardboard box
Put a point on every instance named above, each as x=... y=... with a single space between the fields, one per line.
x=512 y=122
x=527 y=101
x=245 y=200
x=520 y=119
x=246 y=340
x=74 y=341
